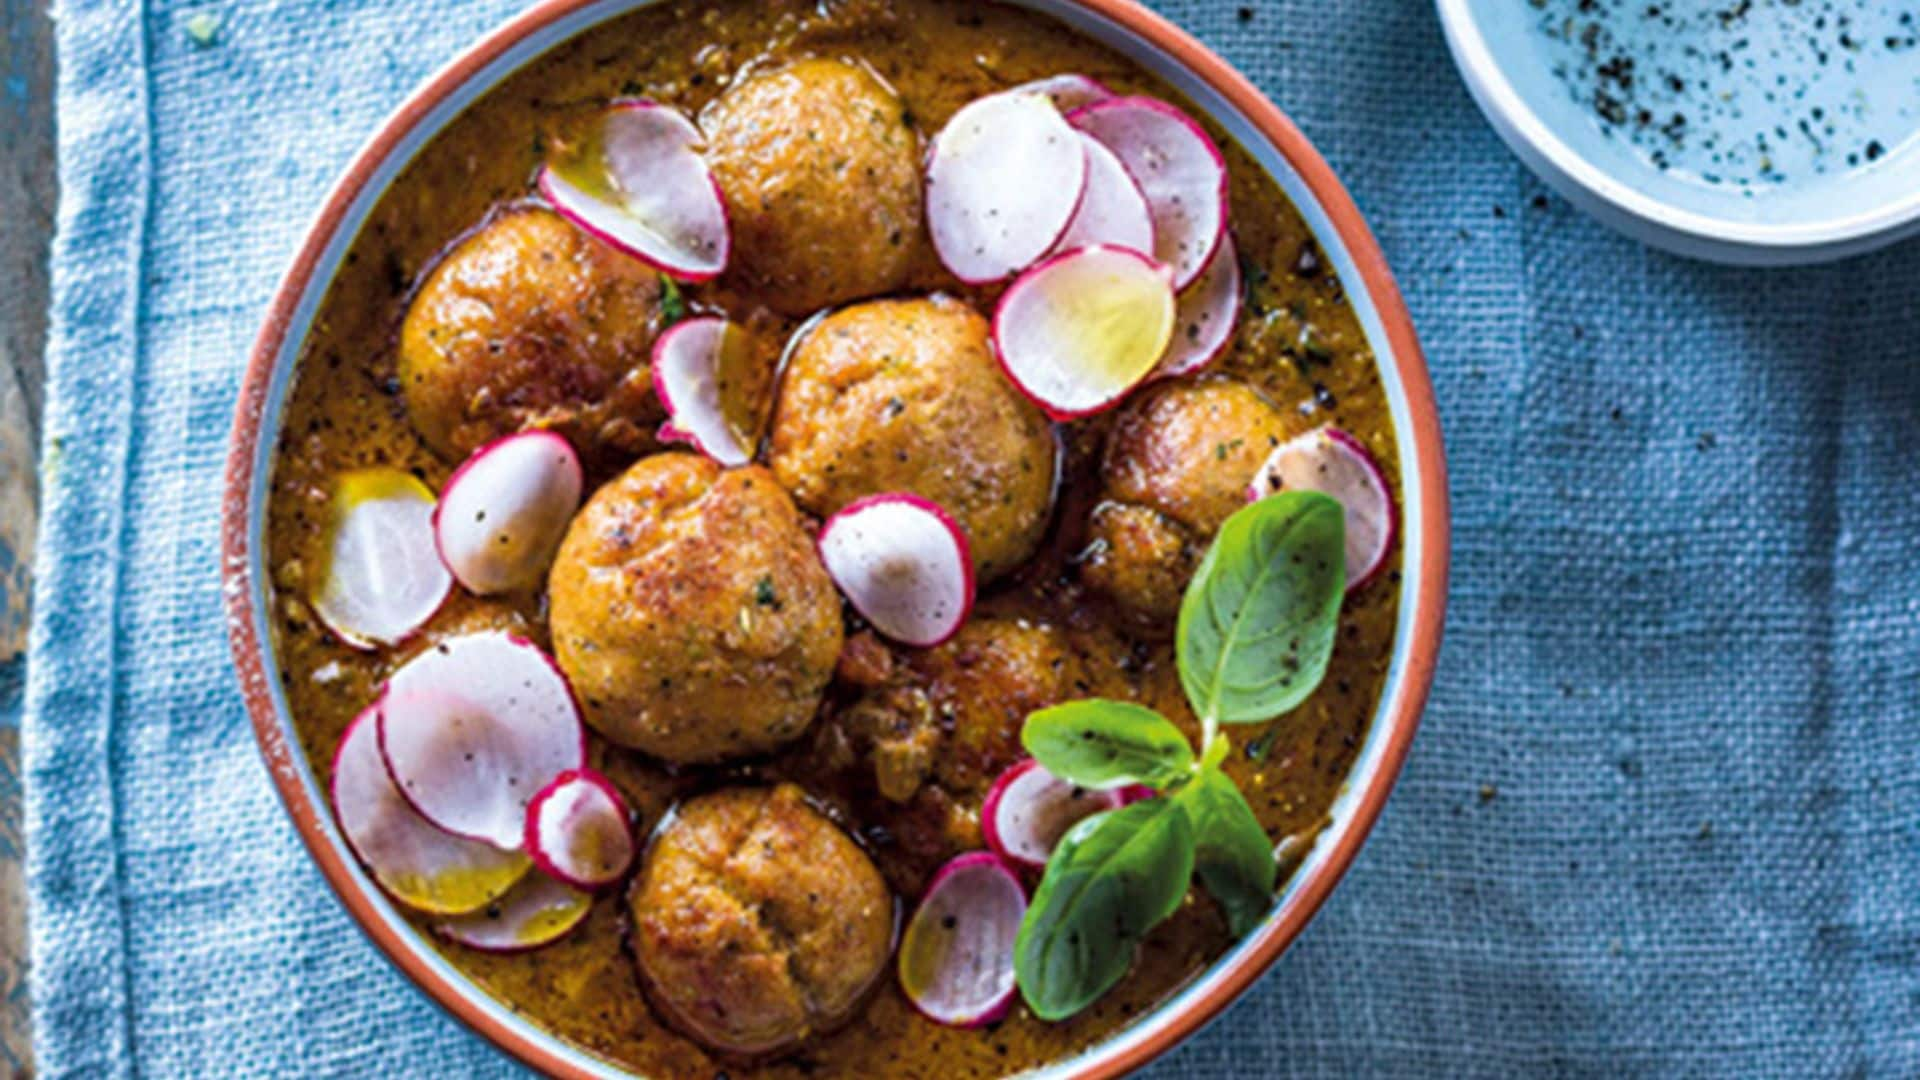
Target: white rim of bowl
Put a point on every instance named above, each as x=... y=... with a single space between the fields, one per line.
x=1537 y=146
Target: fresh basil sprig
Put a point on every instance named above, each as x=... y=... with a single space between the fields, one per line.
x=1256 y=630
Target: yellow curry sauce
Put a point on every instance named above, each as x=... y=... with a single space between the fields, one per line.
x=1298 y=342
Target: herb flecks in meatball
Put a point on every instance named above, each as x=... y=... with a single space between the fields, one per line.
x=821 y=176
x=757 y=922
x=530 y=323
x=904 y=395
x=691 y=612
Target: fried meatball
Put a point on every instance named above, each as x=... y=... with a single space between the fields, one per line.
x=904 y=395
x=691 y=612
x=822 y=180
x=756 y=921
x=531 y=323
x=1177 y=465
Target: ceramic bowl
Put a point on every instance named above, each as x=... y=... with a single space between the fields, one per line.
x=1764 y=134
x=1126 y=27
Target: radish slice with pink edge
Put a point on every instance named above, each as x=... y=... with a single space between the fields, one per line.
x=472 y=728
x=1205 y=315
x=638 y=182
x=695 y=366
x=904 y=564
x=1003 y=180
x=1081 y=329
x=579 y=831
x=1332 y=462
x=504 y=511
x=380 y=577
x=1179 y=169
x=1067 y=92
x=416 y=863
x=538 y=911
x=1029 y=809
x=956 y=956
x=1112 y=210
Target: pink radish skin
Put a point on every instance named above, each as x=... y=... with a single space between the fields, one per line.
x=1205 y=315
x=539 y=911
x=1029 y=809
x=956 y=955
x=1330 y=461
x=412 y=861
x=503 y=512
x=1112 y=210
x=663 y=205
x=904 y=564
x=686 y=363
x=1034 y=340
x=1180 y=170
x=579 y=830
x=1004 y=178
x=1067 y=92
x=472 y=728
x=383 y=578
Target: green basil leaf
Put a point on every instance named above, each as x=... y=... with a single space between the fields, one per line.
x=1112 y=878
x=1103 y=744
x=1258 y=620
x=1233 y=856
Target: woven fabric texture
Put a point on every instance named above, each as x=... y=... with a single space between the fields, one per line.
x=1662 y=816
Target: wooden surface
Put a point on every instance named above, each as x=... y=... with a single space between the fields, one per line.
x=26 y=222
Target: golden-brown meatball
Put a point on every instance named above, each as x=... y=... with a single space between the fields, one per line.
x=821 y=176
x=756 y=921
x=1177 y=465
x=531 y=323
x=904 y=395
x=691 y=612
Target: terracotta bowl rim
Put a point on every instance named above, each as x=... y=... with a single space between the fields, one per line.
x=1423 y=597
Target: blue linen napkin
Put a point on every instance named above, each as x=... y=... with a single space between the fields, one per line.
x=1662 y=815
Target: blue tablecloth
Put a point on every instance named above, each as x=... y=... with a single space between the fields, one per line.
x=1661 y=818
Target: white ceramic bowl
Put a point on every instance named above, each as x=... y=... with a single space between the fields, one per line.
x=1802 y=145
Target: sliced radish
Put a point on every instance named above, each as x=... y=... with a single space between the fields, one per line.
x=699 y=375
x=1081 y=329
x=638 y=182
x=1205 y=316
x=904 y=565
x=579 y=831
x=1332 y=462
x=1112 y=210
x=503 y=513
x=1003 y=180
x=381 y=577
x=472 y=728
x=538 y=911
x=1178 y=167
x=1067 y=92
x=956 y=957
x=1029 y=809
x=417 y=864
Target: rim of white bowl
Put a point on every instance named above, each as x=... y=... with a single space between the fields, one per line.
x=1617 y=204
